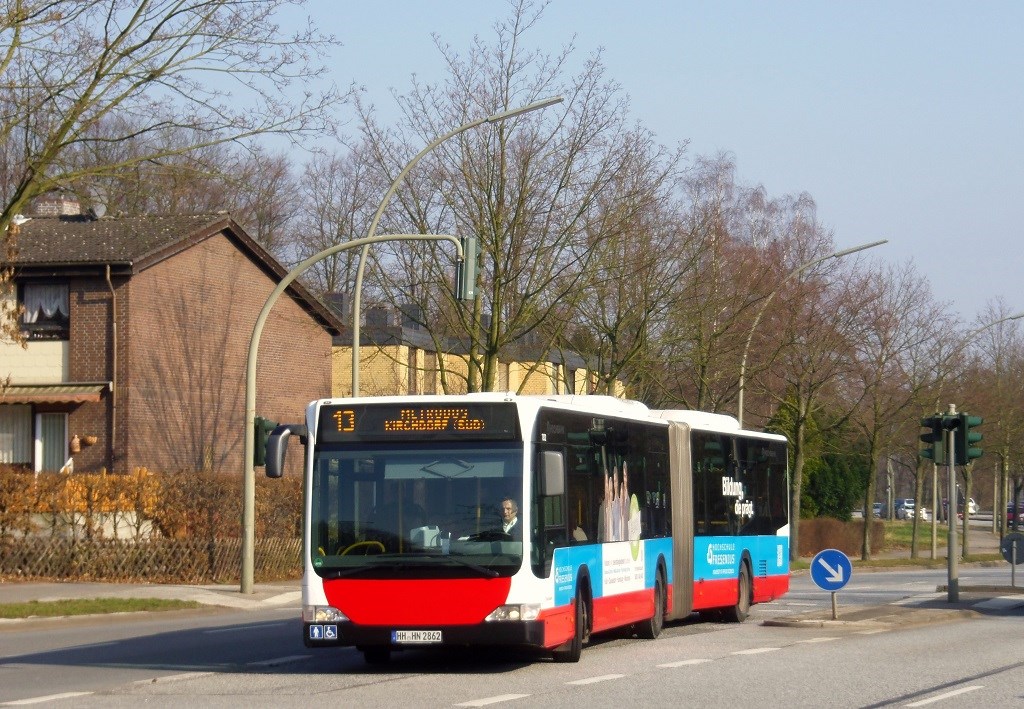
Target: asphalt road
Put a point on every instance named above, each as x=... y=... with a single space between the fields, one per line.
x=250 y=658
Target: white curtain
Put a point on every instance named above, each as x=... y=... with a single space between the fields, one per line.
x=15 y=433
x=46 y=301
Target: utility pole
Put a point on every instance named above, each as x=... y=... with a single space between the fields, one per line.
x=953 y=580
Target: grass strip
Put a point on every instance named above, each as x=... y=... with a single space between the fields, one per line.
x=91 y=606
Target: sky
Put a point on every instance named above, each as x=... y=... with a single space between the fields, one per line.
x=903 y=120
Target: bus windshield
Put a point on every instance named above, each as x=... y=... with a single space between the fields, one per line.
x=422 y=510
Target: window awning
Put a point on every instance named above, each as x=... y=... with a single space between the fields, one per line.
x=68 y=393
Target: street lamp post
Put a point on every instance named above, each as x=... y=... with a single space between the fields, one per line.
x=358 y=287
x=757 y=319
x=249 y=479
x=249 y=474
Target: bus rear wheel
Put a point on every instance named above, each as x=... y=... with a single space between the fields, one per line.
x=739 y=612
x=650 y=629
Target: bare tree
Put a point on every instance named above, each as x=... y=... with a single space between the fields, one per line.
x=642 y=257
x=992 y=386
x=340 y=193
x=748 y=245
x=265 y=199
x=77 y=76
x=698 y=351
x=529 y=188
x=898 y=324
x=812 y=332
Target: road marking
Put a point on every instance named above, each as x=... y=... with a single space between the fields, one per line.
x=875 y=631
x=817 y=640
x=755 y=651
x=214 y=631
x=493 y=700
x=173 y=678
x=278 y=661
x=595 y=680
x=95 y=645
x=947 y=695
x=240 y=628
x=47 y=698
x=685 y=663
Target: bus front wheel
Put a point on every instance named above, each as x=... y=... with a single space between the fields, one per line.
x=571 y=651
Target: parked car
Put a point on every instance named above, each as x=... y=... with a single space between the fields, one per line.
x=923 y=515
x=1011 y=513
x=905 y=508
x=972 y=508
x=877 y=509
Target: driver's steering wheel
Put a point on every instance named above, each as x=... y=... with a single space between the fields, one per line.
x=366 y=546
x=490 y=535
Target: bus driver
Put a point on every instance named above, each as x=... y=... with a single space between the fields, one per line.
x=510 y=519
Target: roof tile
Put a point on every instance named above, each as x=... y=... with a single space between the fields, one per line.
x=82 y=239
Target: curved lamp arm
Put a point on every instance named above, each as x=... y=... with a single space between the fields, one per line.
x=764 y=306
x=358 y=287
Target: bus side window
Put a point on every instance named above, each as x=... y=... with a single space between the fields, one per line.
x=549 y=525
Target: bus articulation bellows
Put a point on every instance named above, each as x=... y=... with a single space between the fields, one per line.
x=627 y=517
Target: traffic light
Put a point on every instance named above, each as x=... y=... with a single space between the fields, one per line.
x=935 y=451
x=465 y=273
x=965 y=451
x=263 y=428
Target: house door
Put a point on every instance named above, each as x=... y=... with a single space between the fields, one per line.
x=51 y=442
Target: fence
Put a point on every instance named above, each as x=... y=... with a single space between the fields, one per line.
x=144 y=526
x=156 y=561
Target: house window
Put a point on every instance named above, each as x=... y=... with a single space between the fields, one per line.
x=47 y=311
x=15 y=434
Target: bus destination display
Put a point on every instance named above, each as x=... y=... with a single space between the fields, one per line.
x=393 y=422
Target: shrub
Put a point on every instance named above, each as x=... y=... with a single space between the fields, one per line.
x=178 y=527
x=143 y=504
x=829 y=533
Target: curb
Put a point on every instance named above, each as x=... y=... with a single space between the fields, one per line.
x=875 y=618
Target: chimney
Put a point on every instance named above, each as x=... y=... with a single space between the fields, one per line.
x=338 y=303
x=377 y=316
x=412 y=316
x=56 y=204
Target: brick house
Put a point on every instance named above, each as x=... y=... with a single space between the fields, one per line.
x=138 y=331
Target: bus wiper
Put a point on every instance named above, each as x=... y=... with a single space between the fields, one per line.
x=482 y=570
x=398 y=562
x=392 y=563
x=345 y=573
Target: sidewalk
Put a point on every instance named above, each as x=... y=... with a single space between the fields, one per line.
x=972 y=601
x=279 y=593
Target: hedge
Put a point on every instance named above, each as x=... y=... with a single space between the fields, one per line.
x=163 y=527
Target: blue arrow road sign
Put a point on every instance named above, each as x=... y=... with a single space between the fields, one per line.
x=831 y=569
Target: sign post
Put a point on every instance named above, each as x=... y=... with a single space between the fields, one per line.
x=1013 y=551
x=831 y=570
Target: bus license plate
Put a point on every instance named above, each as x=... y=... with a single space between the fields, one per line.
x=415 y=636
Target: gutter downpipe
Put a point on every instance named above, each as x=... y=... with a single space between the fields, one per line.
x=113 y=370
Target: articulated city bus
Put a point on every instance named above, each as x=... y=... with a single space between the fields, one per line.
x=615 y=516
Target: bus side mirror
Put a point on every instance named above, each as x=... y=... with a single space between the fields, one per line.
x=277 y=446
x=552 y=473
